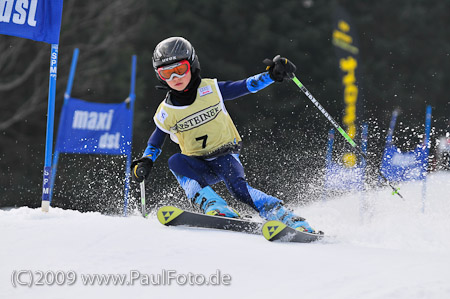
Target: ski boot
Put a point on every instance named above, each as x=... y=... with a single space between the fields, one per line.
x=280 y=213
x=210 y=203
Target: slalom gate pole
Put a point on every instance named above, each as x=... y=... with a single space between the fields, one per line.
x=45 y=204
x=130 y=100
x=338 y=127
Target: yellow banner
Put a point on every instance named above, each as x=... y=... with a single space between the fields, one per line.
x=346 y=46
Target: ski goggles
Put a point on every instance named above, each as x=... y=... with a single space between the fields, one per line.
x=178 y=69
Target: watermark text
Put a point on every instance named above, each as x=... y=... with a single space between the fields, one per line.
x=32 y=278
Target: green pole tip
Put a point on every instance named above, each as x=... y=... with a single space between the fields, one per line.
x=395 y=191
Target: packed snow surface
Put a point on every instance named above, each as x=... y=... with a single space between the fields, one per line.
x=377 y=246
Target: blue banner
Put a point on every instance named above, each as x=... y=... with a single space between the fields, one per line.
x=95 y=128
x=345 y=176
x=413 y=165
x=39 y=20
x=397 y=166
x=339 y=177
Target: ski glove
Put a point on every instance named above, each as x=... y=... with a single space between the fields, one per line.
x=280 y=68
x=140 y=169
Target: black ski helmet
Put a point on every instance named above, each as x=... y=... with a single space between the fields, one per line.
x=175 y=49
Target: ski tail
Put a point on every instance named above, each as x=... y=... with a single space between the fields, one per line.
x=167 y=214
x=272 y=228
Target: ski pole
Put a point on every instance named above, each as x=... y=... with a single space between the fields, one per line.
x=141 y=172
x=338 y=127
x=143 y=199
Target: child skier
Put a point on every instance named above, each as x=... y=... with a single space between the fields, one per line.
x=193 y=114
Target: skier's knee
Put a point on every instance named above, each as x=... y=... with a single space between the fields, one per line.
x=175 y=161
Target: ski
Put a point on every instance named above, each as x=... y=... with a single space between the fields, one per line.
x=278 y=231
x=271 y=230
x=172 y=216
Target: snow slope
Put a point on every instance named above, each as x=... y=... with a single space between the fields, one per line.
x=388 y=249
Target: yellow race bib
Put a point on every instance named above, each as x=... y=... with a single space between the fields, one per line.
x=202 y=128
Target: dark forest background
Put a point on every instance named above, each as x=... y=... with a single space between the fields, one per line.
x=404 y=62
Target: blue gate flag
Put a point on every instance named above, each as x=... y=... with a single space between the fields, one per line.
x=39 y=20
x=95 y=128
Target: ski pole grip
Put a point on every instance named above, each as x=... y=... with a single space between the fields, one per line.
x=141 y=171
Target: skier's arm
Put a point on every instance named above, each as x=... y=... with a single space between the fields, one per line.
x=234 y=89
x=154 y=144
